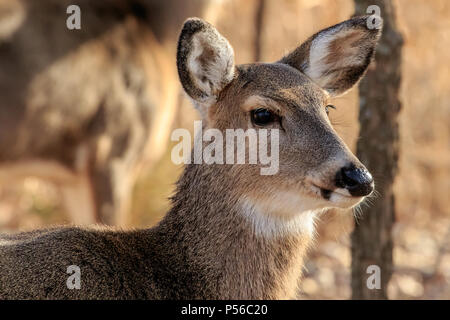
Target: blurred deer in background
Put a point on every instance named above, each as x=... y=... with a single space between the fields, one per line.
x=231 y=233
x=86 y=109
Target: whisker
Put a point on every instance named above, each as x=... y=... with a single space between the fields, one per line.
x=357 y=213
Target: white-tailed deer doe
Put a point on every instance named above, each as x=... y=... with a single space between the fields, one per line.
x=86 y=109
x=231 y=233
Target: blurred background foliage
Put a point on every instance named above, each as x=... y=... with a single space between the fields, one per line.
x=422 y=229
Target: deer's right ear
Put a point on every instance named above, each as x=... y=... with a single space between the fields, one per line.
x=205 y=61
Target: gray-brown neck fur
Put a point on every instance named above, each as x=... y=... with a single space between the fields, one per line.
x=217 y=252
x=203 y=249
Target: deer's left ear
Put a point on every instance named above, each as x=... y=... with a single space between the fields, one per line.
x=337 y=57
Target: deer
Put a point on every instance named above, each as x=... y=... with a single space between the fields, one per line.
x=231 y=232
x=87 y=110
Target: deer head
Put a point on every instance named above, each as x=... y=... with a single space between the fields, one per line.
x=316 y=169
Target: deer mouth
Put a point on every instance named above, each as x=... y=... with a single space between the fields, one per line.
x=326 y=193
x=337 y=197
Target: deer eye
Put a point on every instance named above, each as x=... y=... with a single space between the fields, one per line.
x=262 y=117
x=328 y=107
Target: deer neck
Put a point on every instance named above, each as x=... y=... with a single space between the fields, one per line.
x=225 y=246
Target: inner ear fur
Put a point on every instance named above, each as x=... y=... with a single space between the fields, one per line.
x=205 y=60
x=336 y=58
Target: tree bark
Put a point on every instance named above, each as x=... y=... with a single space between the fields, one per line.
x=378 y=149
x=259 y=23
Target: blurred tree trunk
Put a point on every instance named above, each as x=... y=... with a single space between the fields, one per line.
x=377 y=148
x=259 y=22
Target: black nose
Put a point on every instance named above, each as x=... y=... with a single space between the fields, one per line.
x=358 y=181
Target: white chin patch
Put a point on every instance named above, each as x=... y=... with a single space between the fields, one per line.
x=341 y=198
x=269 y=223
x=342 y=191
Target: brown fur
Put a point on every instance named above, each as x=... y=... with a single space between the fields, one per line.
x=360 y=41
x=195 y=252
x=105 y=94
x=231 y=233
